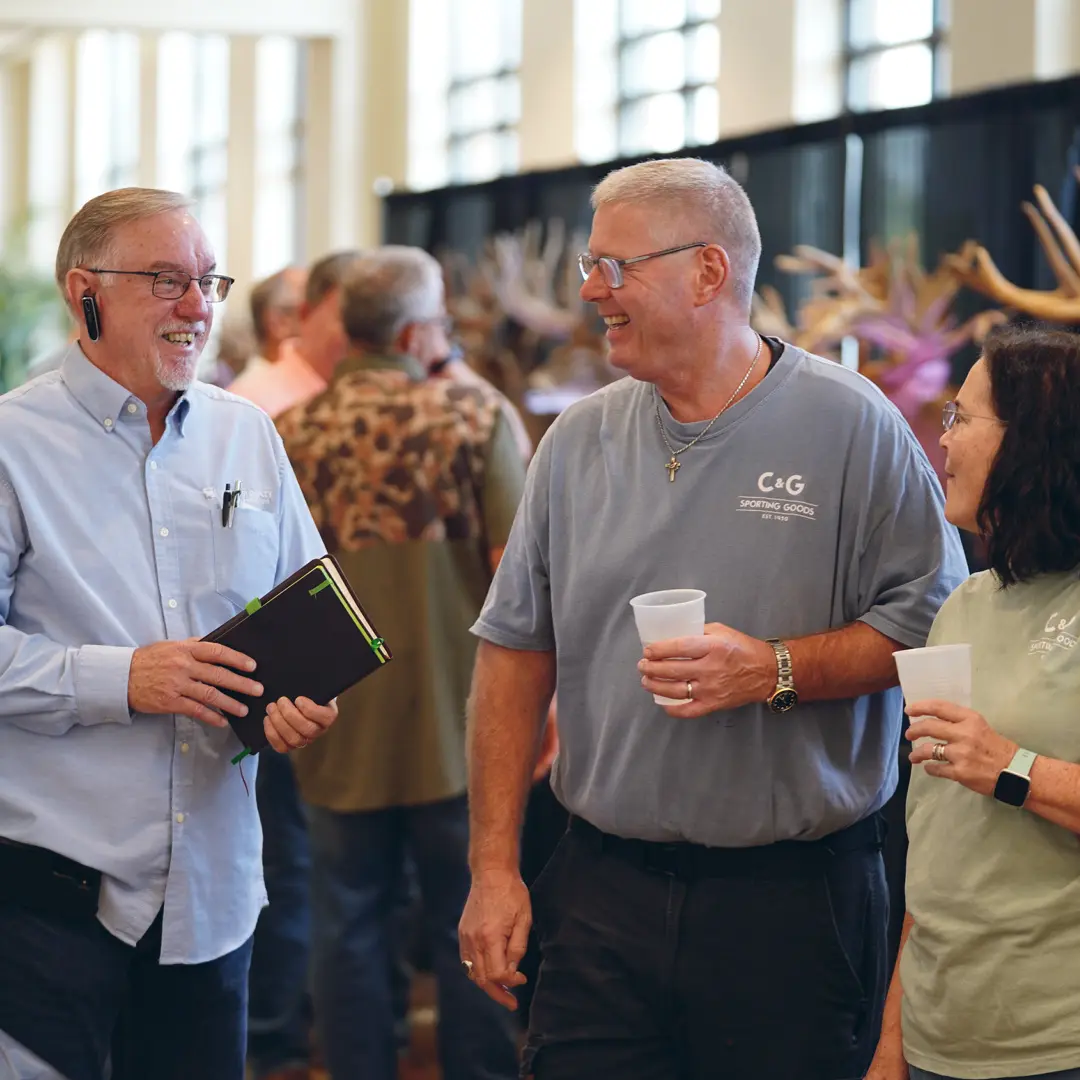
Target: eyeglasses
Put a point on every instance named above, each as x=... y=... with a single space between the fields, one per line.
x=611 y=269
x=172 y=284
x=952 y=412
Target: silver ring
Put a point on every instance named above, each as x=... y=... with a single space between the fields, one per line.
x=938 y=753
x=689 y=690
x=467 y=965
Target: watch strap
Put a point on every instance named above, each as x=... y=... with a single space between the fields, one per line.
x=784 y=670
x=1021 y=762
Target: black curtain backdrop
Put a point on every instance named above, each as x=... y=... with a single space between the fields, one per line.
x=954 y=170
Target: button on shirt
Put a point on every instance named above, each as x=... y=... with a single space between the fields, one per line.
x=108 y=542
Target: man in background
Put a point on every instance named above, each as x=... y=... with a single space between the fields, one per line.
x=305 y=361
x=413 y=482
x=275 y=314
x=279 y=1046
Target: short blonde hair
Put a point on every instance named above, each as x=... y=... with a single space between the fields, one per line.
x=388 y=288
x=701 y=190
x=88 y=236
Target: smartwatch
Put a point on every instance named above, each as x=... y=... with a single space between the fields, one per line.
x=785 y=696
x=1014 y=781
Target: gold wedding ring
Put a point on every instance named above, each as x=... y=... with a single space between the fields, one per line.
x=467 y=965
x=938 y=752
x=689 y=690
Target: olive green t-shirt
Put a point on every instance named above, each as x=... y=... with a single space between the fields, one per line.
x=991 y=970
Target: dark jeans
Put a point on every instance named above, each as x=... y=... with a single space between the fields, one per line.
x=545 y=822
x=358 y=863
x=280 y=1006
x=773 y=970
x=72 y=994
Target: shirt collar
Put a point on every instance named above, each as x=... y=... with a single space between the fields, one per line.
x=106 y=400
x=408 y=365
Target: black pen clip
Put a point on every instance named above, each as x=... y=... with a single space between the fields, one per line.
x=228 y=503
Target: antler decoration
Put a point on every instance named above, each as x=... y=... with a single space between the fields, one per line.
x=895 y=309
x=974 y=267
x=518 y=314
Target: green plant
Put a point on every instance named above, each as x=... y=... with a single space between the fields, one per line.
x=28 y=302
x=30 y=307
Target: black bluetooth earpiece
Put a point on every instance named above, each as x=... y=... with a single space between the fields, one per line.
x=93 y=318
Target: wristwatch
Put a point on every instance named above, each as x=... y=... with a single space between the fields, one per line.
x=1014 y=781
x=785 y=696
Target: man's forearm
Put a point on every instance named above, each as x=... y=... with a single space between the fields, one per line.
x=844 y=663
x=511 y=690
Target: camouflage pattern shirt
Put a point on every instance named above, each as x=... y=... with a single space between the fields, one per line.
x=411 y=482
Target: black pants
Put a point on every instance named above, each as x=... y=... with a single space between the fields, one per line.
x=771 y=968
x=77 y=997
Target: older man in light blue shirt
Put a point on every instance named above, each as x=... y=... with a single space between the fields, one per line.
x=114 y=750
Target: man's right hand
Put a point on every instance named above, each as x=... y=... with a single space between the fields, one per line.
x=188 y=677
x=494 y=931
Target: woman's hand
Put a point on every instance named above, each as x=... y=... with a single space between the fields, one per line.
x=974 y=752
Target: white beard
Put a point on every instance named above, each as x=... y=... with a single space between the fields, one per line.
x=175 y=376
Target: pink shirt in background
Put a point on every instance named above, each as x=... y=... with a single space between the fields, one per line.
x=279 y=386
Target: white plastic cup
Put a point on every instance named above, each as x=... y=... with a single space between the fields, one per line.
x=938 y=671
x=666 y=615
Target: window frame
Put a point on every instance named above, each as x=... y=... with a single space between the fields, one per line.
x=937 y=40
x=625 y=100
x=457 y=138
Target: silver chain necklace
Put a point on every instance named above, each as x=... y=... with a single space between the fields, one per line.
x=673 y=466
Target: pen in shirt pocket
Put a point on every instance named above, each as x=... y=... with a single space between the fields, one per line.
x=228 y=503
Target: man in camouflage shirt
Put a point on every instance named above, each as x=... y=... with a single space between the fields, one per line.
x=413 y=483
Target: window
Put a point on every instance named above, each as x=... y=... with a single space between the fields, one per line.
x=647 y=76
x=464 y=90
x=484 y=96
x=106 y=113
x=894 y=52
x=193 y=125
x=48 y=149
x=279 y=126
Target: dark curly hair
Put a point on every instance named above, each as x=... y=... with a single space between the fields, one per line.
x=1029 y=514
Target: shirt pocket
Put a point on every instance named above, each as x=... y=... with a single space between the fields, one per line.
x=245 y=555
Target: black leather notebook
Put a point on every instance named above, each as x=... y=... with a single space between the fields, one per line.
x=309 y=637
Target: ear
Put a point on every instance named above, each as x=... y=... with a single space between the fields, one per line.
x=77 y=283
x=405 y=340
x=713 y=274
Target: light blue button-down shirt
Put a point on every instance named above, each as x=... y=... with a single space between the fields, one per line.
x=108 y=542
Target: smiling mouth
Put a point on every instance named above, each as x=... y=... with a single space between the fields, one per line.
x=613 y=322
x=180 y=338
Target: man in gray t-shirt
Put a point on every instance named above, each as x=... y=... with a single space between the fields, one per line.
x=718 y=907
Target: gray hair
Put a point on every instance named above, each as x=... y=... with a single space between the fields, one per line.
x=387 y=289
x=327 y=274
x=88 y=237
x=700 y=190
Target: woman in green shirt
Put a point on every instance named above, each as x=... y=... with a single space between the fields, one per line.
x=988 y=980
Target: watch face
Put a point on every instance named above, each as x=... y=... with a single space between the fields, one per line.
x=783 y=700
x=1011 y=789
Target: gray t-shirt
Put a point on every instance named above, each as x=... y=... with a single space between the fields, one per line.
x=806 y=506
